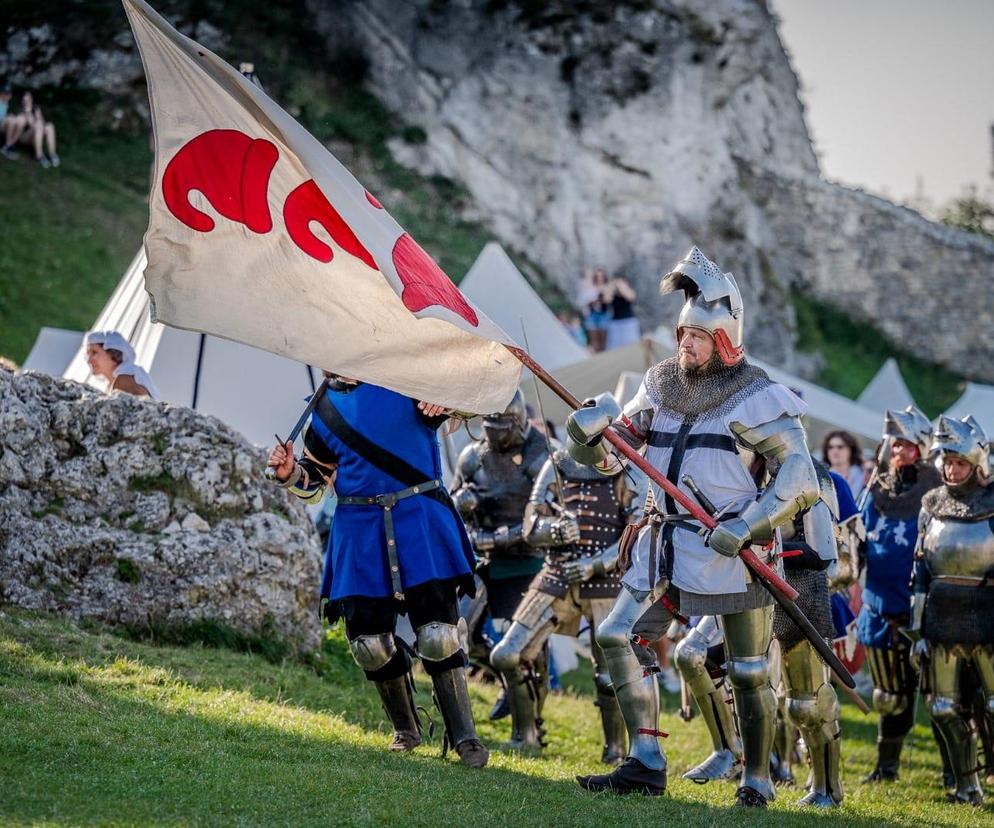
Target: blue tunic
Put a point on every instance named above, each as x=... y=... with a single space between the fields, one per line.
x=890 y=548
x=431 y=540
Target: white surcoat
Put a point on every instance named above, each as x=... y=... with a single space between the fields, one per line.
x=711 y=456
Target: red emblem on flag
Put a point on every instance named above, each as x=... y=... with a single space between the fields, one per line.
x=232 y=171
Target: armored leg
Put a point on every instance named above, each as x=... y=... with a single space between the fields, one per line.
x=644 y=771
x=894 y=687
x=983 y=662
x=747 y=641
x=612 y=722
x=958 y=731
x=389 y=668
x=441 y=648
x=521 y=659
x=714 y=701
x=814 y=708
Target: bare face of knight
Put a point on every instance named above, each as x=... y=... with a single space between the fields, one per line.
x=955 y=469
x=695 y=349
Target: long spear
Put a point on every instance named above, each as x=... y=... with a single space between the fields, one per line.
x=782 y=592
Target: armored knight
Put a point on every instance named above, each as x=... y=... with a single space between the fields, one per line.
x=890 y=515
x=710 y=415
x=809 y=555
x=491 y=485
x=576 y=516
x=397 y=547
x=953 y=603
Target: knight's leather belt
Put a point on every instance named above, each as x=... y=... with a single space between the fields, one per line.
x=386 y=502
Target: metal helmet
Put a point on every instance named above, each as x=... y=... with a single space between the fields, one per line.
x=963 y=438
x=713 y=303
x=911 y=425
x=507 y=430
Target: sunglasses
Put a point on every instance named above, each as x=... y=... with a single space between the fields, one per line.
x=837 y=445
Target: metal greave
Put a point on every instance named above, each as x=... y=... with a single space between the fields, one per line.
x=958 y=730
x=637 y=693
x=747 y=641
x=452 y=699
x=813 y=708
x=398 y=702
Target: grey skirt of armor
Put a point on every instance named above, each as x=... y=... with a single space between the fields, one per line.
x=812 y=600
x=957 y=614
x=694 y=603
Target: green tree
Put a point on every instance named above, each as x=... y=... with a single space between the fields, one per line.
x=971 y=213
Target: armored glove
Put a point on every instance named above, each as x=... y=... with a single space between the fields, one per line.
x=585 y=426
x=729 y=537
x=466 y=500
x=581 y=569
x=565 y=531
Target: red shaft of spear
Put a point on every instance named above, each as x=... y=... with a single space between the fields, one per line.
x=749 y=558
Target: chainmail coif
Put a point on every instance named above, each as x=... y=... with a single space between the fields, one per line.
x=714 y=388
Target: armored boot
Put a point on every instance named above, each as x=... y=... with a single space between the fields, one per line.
x=888 y=760
x=713 y=700
x=613 y=725
x=452 y=700
x=522 y=701
x=644 y=770
x=747 y=640
x=398 y=702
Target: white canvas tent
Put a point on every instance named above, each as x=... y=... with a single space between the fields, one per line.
x=497 y=287
x=255 y=392
x=978 y=400
x=887 y=391
x=53 y=350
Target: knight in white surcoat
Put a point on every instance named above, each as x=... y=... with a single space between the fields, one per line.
x=710 y=416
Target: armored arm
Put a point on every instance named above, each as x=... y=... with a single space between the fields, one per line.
x=794 y=486
x=462 y=488
x=541 y=527
x=921 y=580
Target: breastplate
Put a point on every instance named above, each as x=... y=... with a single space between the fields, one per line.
x=504 y=487
x=959 y=547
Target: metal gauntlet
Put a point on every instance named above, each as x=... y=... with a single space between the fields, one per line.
x=500 y=538
x=585 y=429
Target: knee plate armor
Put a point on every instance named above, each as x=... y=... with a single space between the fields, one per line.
x=437 y=641
x=372 y=652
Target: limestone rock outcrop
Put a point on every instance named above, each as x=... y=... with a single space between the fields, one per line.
x=132 y=512
x=617 y=134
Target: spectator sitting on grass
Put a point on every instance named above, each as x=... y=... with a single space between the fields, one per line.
x=29 y=127
x=111 y=356
x=5 y=114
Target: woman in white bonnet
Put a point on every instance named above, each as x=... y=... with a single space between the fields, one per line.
x=111 y=356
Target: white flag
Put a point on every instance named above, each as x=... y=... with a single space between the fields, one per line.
x=258 y=234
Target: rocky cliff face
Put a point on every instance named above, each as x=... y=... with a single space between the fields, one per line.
x=618 y=134
x=133 y=512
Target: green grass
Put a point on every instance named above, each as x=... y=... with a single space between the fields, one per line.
x=98 y=729
x=854 y=351
x=68 y=233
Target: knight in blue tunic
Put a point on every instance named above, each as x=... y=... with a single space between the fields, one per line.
x=397 y=546
x=890 y=516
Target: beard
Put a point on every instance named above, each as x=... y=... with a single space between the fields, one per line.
x=714 y=365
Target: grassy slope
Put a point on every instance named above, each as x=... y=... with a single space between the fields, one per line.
x=101 y=730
